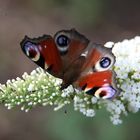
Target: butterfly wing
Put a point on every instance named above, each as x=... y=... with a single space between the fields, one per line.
x=97 y=77
x=58 y=55
x=99 y=84
x=70 y=45
x=70 y=56
x=44 y=53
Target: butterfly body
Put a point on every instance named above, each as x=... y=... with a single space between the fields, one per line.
x=71 y=57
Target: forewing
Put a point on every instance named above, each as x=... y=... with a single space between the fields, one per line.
x=44 y=53
x=76 y=44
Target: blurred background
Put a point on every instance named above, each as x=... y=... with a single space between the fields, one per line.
x=100 y=21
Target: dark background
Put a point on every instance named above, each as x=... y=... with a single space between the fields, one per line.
x=100 y=21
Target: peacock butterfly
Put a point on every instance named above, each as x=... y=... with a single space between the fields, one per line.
x=70 y=56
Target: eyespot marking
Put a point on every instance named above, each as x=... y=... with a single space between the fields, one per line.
x=105 y=92
x=32 y=51
x=105 y=62
x=62 y=41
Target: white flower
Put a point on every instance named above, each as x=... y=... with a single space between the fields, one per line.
x=94 y=100
x=109 y=44
x=66 y=92
x=44 y=88
x=132 y=107
x=90 y=113
x=31 y=87
x=115 y=119
x=58 y=107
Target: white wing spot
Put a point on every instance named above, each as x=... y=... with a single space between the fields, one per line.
x=85 y=54
x=46 y=66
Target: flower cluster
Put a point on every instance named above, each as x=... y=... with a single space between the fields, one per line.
x=127 y=68
x=40 y=88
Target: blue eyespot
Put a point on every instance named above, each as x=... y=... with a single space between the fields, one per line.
x=105 y=62
x=62 y=41
x=32 y=51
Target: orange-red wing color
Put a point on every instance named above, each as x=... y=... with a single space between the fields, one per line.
x=99 y=84
x=96 y=79
x=70 y=56
x=44 y=53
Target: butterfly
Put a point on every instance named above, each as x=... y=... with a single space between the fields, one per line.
x=76 y=60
